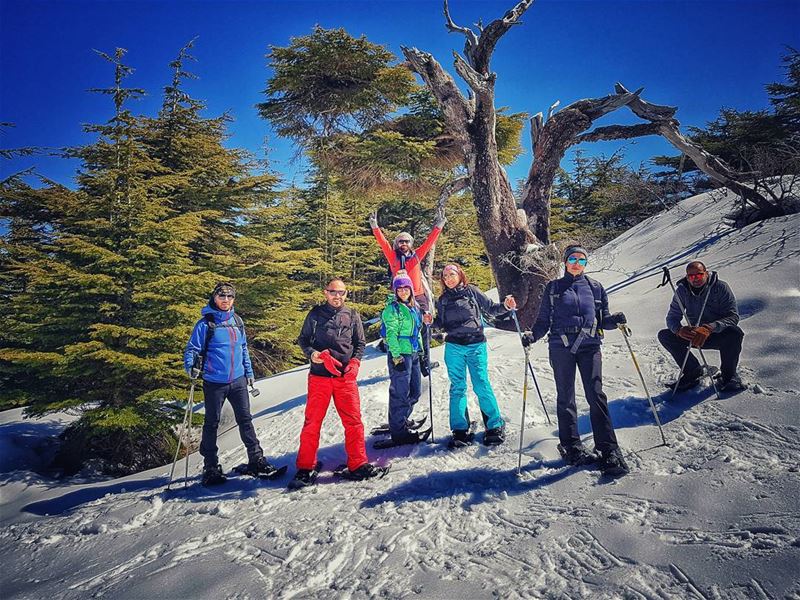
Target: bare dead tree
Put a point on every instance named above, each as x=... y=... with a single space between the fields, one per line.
x=516 y=241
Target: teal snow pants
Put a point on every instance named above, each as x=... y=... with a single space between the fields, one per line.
x=458 y=360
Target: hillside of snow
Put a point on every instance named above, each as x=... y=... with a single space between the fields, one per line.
x=712 y=515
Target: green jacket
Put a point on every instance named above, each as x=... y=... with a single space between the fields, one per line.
x=401 y=327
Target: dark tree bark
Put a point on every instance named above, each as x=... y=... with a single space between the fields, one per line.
x=518 y=242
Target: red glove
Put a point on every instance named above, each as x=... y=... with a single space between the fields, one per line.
x=701 y=335
x=331 y=364
x=352 y=367
x=686 y=333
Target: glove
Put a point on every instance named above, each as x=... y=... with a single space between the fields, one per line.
x=352 y=367
x=619 y=318
x=251 y=381
x=332 y=365
x=194 y=373
x=373 y=220
x=701 y=335
x=423 y=367
x=399 y=364
x=686 y=333
x=528 y=339
x=440 y=222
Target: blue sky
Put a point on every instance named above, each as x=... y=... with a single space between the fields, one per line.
x=698 y=55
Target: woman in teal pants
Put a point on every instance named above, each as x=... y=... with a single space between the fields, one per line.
x=459 y=313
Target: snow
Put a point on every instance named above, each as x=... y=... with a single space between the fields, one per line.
x=712 y=515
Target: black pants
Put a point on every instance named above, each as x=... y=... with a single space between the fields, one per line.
x=236 y=393
x=728 y=342
x=589 y=363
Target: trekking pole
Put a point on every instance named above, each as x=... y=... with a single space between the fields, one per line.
x=668 y=279
x=530 y=367
x=430 y=382
x=522 y=421
x=186 y=421
x=626 y=333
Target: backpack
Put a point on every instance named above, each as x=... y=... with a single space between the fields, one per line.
x=211 y=327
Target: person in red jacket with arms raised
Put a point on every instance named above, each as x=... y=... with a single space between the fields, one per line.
x=402 y=256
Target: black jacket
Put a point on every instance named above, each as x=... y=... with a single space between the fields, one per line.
x=720 y=311
x=458 y=313
x=338 y=330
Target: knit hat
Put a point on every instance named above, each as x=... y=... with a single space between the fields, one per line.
x=574 y=250
x=224 y=287
x=402 y=280
x=403 y=235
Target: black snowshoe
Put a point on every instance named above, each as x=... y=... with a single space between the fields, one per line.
x=411 y=425
x=693 y=379
x=409 y=437
x=365 y=471
x=305 y=477
x=463 y=437
x=495 y=436
x=213 y=475
x=612 y=464
x=261 y=469
x=734 y=384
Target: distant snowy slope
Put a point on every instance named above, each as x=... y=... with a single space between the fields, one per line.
x=713 y=515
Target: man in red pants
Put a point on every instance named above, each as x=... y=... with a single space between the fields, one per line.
x=332 y=338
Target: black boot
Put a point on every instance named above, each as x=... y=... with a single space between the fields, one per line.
x=690 y=379
x=495 y=436
x=577 y=455
x=213 y=475
x=304 y=478
x=261 y=467
x=613 y=464
x=365 y=471
x=461 y=438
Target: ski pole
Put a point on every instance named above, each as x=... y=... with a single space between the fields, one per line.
x=530 y=367
x=522 y=421
x=626 y=333
x=668 y=279
x=430 y=382
x=186 y=421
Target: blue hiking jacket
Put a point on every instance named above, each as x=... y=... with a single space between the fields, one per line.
x=227 y=357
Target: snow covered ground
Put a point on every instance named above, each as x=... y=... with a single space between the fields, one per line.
x=712 y=515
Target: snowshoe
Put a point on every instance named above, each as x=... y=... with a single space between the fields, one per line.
x=411 y=424
x=495 y=436
x=365 y=471
x=261 y=469
x=305 y=477
x=734 y=384
x=687 y=380
x=410 y=437
x=213 y=475
x=577 y=455
x=613 y=464
x=463 y=437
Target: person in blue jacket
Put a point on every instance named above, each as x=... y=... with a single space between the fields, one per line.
x=574 y=310
x=217 y=352
x=459 y=312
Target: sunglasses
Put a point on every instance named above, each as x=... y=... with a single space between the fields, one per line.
x=696 y=276
x=574 y=259
x=403 y=242
x=231 y=296
x=336 y=292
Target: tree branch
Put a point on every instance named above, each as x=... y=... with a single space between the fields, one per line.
x=478 y=83
x=619 y=132
x=471 y=43
x=493 y=32
x=457 y=110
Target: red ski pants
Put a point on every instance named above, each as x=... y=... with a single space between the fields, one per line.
x=345 y=398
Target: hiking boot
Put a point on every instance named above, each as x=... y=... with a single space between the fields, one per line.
x=461 y=437
x=365 y=471
x=213 y=475
x=577 y=455
x=261 y=466
x=304 y=478
x=494 y=436
x=613 y=464
x=690 y=379
x=732 y=384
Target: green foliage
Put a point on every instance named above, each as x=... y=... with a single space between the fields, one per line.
x=328 y=81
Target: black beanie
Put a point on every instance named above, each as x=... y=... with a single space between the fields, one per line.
x=224 y=287
x=573 y=249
